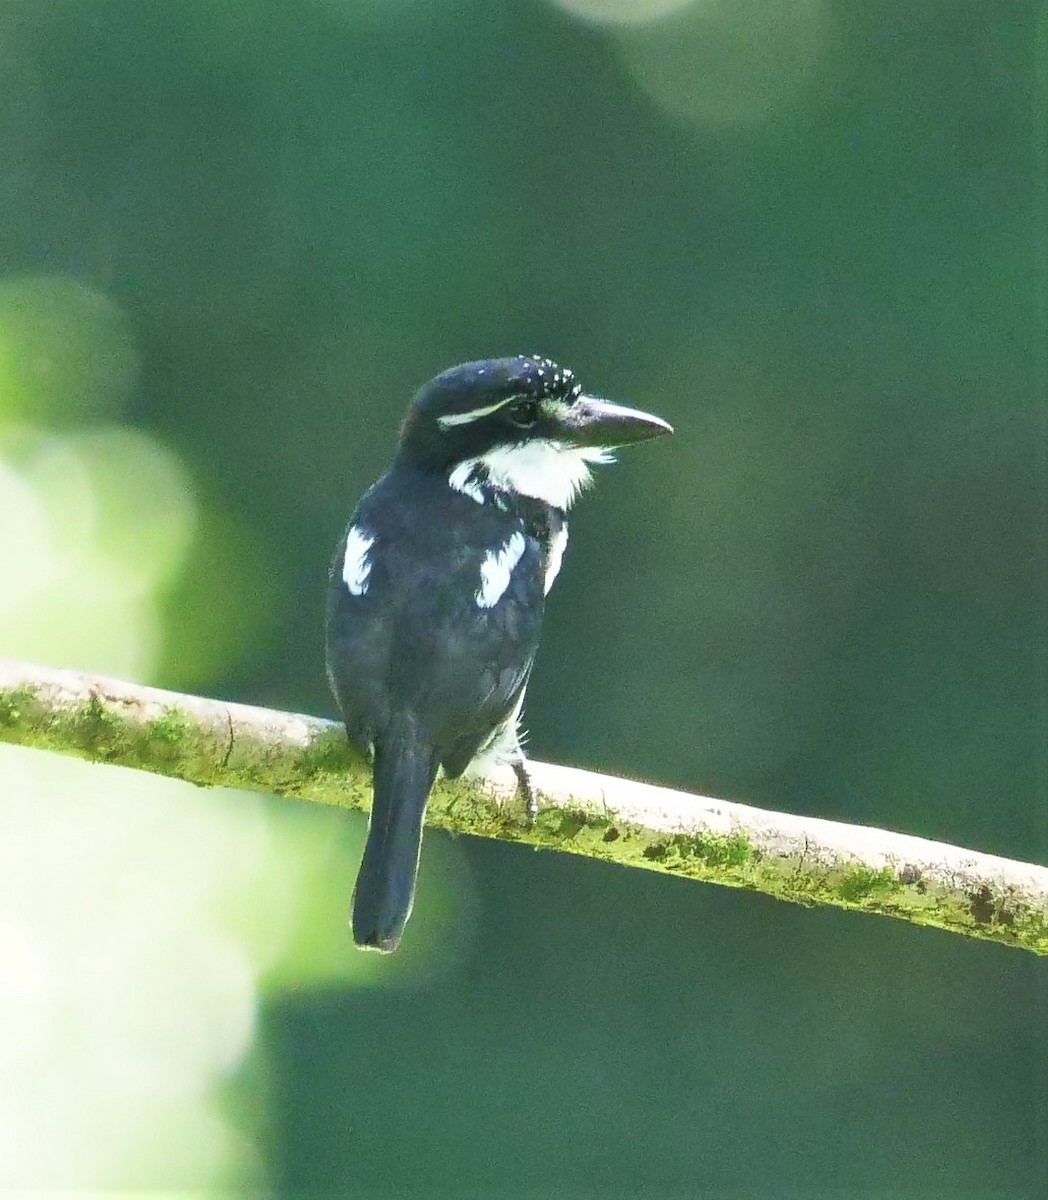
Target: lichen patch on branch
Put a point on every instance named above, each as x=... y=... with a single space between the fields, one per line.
x=801 y=860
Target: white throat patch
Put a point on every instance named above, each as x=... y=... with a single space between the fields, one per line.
x=544 y=470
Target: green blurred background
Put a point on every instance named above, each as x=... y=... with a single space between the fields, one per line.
x=234 y=237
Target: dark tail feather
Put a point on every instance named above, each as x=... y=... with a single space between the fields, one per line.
x=404 y=774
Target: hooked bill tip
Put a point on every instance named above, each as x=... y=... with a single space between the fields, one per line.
x=376 y=941
x=602 y=422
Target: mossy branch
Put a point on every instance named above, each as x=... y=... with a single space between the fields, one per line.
x=800 y=859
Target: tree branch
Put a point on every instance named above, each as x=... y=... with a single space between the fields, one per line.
x=800 y=859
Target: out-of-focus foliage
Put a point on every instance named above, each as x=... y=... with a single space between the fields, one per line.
x=141 y=919
x=234 y=238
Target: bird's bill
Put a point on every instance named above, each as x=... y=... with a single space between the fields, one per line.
x=596 y=422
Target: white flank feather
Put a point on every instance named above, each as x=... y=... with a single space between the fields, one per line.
x=503 y=748
x=556 y=556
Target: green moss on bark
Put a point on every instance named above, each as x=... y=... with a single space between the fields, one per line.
x=175 y=745
x=325 y=770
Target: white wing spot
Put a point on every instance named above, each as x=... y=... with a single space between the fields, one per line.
x=356 y=566
x=496 y=570
x=556 y=556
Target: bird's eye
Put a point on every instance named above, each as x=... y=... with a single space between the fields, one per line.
x=523 y=413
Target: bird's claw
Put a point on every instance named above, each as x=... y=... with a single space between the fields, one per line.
x=526 y=792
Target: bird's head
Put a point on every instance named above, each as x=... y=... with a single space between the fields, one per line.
x=517 y=425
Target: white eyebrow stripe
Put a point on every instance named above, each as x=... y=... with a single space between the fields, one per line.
x=465 y=418
x=356 y=565
x=497 y=569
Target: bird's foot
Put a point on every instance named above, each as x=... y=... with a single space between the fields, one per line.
x=525 y=791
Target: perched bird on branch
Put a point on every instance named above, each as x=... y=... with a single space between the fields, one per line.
x=437 y=592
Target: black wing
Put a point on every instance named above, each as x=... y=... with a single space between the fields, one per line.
x=416 y=640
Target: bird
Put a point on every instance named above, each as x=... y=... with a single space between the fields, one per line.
x=437 y=591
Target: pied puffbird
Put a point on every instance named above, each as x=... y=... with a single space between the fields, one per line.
x=437 y=592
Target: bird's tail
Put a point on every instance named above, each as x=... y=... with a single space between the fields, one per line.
x=404 y=773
